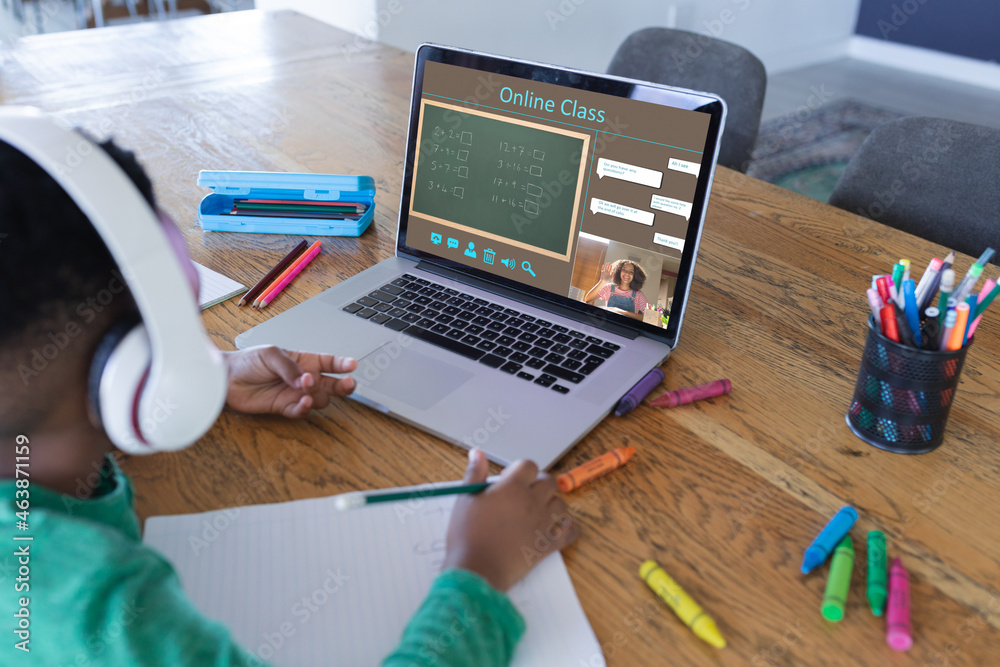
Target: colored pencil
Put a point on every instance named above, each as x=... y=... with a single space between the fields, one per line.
x=281 y=276
x=272 y=274
x=296 y=270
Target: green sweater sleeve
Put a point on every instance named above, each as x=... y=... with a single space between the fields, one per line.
x=463 y=621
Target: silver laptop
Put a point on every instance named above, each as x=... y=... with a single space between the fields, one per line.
x=548 y=229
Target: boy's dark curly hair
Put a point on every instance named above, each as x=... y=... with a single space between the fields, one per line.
x=638 y=278
x=51 y=257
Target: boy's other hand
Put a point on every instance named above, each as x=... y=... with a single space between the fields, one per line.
x=501 y=533
x=268 y=379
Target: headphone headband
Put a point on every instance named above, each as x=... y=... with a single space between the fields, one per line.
x=186 y=370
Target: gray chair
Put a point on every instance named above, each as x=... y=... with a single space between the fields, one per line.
x=692 y=60
x=938 y=179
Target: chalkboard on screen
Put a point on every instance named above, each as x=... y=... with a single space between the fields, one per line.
x=509 y=179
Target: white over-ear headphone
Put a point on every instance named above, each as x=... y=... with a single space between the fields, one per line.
x=158 y=384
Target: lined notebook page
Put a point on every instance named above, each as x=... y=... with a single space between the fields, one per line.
x=302 y=583
x=215 y=287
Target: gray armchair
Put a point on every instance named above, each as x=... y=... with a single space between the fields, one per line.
x=692 y=60
x=938 y=179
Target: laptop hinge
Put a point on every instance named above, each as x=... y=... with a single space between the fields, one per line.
x=555 y=308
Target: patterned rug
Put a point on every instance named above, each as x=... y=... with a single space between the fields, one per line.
x=807 y=151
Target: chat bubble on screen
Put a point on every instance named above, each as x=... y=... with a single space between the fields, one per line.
x=621 y=211
x=675 y=206
x=629 y=172
x=669 y=241
x=684 y=167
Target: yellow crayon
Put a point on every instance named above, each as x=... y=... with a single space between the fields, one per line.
x=686 y=609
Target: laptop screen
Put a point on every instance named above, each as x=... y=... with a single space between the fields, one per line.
x=585 y=189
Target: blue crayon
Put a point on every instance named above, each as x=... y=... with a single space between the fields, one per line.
x=828 y=538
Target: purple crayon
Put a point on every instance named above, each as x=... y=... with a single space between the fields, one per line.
x=828 y=538
x=684 y=395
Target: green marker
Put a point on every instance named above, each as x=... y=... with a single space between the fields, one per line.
x=877 y=592
x=837 y=585
x=897 y=280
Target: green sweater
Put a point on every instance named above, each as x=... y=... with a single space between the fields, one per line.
x=88 y=592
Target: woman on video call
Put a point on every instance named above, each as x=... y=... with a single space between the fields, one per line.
x=621 y=286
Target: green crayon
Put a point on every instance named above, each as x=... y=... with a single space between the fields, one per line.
x=877 y=591
x=837 y=585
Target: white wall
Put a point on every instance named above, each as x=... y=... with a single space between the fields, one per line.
x=351 y=15
x=585 y=33
x=784 y=34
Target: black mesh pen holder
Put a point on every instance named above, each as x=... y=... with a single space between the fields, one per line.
x=903 y=394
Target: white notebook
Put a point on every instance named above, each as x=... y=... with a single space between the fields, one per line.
x=302 y=583
x=214 y=287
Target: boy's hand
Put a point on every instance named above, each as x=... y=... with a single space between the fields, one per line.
x=501 y=533
x=267 y=379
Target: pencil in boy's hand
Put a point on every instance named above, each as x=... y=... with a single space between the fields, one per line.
x=296 y=270
x=355 y=499
x=269 y=278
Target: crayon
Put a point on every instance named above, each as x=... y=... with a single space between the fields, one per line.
x=898 y=631
x=685 y=395
x=876 y=591
x=602 y=465
x=832 y=533
x=639 y=391
x=839 y=581
x=683 y=605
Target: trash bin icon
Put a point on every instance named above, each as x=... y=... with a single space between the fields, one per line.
x=488 y=255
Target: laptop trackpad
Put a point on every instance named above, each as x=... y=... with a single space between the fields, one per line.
x=409 y=376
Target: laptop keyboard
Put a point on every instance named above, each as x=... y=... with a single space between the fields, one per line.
x=535 y=350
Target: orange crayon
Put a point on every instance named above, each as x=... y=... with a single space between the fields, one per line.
x=603 y=464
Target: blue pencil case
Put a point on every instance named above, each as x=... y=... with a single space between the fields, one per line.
x=227 y=186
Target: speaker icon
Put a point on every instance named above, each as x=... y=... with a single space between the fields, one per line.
x=509 y=263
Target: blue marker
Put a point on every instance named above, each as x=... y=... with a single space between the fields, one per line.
x=912 y=312
x=973 y=301
x=828 y=538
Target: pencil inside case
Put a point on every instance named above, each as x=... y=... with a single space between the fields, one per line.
x=286 y=203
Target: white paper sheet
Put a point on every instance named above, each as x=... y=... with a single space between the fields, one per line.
x=215 y=287
x=302 y=583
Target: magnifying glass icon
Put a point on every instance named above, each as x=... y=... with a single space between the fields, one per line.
x=527 y=267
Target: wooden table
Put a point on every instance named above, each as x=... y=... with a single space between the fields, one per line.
x=726 y=493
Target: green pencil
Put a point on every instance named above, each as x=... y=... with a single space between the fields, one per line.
x=357 y=499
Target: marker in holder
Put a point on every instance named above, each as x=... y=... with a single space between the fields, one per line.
x=903 y=395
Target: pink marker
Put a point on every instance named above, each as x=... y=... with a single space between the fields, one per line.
x=987 y=288
x=898 y=631
x=875 y=303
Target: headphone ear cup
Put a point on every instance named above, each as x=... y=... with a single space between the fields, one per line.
x=117 y=376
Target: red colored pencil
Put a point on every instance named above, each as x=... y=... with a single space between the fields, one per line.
x=272 y=274
x=296 y=269
x=289 y=269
